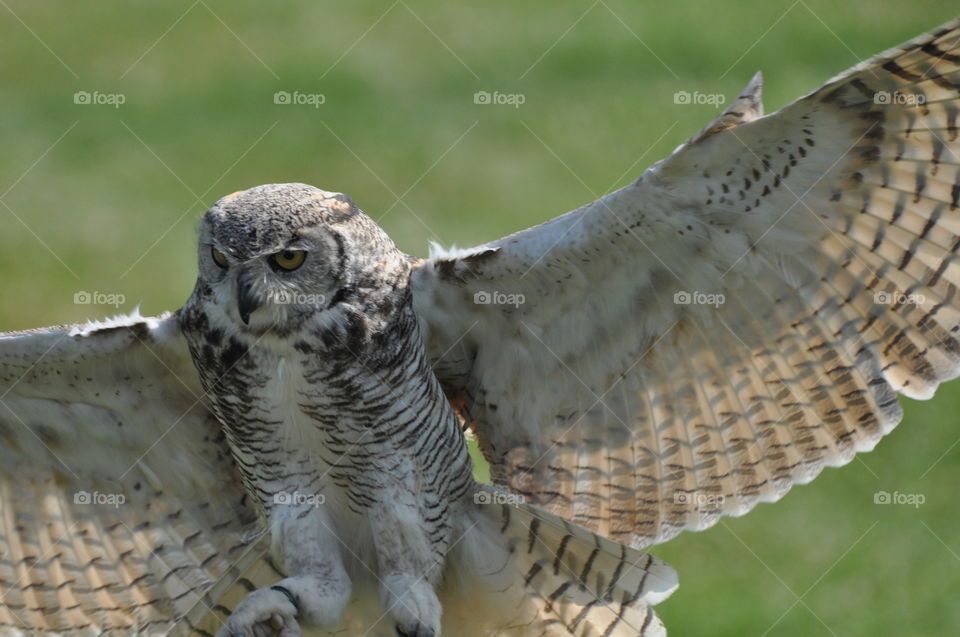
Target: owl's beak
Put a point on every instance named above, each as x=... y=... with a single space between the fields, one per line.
x=247 y=300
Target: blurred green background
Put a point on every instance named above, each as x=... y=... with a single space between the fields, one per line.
x=99 y=198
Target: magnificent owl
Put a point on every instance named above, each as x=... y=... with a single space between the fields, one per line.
x=287 y=452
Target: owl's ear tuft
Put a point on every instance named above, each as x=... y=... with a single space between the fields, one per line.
x=747 y=107
x=339 y=206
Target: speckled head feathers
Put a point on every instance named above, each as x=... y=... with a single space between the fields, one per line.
x=265 y=218
x=339 y=256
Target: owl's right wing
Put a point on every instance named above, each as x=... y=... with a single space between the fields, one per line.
x=120 y=505
x=739 y=317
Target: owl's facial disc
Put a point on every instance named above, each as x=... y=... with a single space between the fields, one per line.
x=272 y=256
x=274 y=289
x=250 y=296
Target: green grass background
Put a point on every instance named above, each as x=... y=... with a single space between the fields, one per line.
x=106 y=199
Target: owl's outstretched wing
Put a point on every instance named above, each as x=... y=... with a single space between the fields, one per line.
x=741 y=316
x=120 y=506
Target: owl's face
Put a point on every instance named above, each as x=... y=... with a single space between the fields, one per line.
x=273 y=256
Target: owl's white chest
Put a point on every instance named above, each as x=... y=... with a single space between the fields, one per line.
x=297 y=469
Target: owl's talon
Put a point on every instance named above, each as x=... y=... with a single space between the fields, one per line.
x=413 y=605
x=416 y=631
x=264 y=612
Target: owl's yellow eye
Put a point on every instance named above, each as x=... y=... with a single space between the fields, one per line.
x=288 y=259
x=219 y=258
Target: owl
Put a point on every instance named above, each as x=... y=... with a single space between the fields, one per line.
x=287 y=453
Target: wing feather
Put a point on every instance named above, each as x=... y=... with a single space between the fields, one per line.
x=736 y=319
x=120 y=507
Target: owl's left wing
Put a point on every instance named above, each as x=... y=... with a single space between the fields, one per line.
x=735 y=320
x=120 y=506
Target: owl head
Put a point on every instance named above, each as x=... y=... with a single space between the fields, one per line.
x=274 y=256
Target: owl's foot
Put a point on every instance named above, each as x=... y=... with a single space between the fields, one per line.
x=313 y=598
x=412 y=604
x=262 y=613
